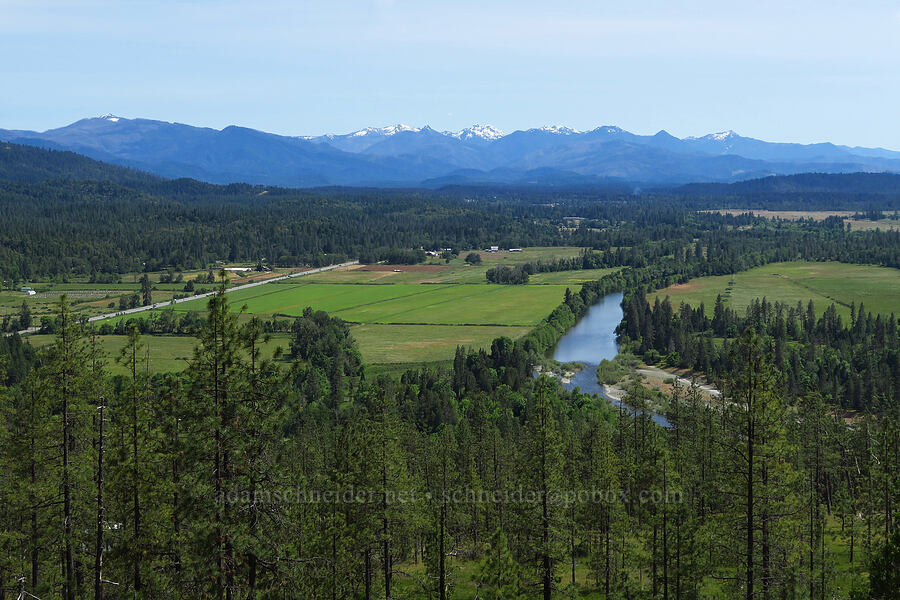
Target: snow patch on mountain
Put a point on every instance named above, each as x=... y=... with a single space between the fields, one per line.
x=721 y=136
x=389 y=130
x=110 y=117
x=608 y=129
x=485 y=132
x=558 y=130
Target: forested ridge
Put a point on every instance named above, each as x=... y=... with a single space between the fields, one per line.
x=66 y=215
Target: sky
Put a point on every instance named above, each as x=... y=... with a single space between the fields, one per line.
x=798 y=71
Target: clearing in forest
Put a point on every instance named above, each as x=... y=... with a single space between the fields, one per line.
x=825 y=283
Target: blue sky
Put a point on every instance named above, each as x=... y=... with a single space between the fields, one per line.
x=813 y=71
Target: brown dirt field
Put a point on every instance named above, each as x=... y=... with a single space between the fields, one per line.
x=404 y=268
x=790 y=215
x=682 y=286
x=269 y=275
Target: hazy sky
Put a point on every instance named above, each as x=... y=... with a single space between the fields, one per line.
x=827 y=70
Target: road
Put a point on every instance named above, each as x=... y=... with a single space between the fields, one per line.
x=131 y=311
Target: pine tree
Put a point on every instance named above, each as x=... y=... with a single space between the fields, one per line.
x=441 y=448
x=754 y=417
x=146 y=290
x=542 y=464
x=501 y=577
x=215 y=378
x=131 y=424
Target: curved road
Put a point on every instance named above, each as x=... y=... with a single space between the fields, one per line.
x=245 y=286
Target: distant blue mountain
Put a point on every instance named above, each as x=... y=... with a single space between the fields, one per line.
x=401 y=155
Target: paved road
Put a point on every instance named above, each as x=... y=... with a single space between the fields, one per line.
x=245 y=286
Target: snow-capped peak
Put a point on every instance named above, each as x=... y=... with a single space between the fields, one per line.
x=721 y=136
x=485 y=132
x=559 y=130
x=110 y=117
x=390 y=130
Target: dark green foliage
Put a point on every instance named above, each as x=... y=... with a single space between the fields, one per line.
x=30 y=164
x=884 y=572
x=508 y=275
x=813 y=352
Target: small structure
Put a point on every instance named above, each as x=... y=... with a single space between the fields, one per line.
x=492 y=249
x=515 y=249
x=236 y=269
x=27 y=291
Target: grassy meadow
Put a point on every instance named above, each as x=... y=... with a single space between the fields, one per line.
x=889 y=223
x=878 y=288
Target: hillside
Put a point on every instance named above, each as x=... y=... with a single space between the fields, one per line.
x=804 y=183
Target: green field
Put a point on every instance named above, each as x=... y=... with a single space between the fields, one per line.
x=400 y=314
x=401 y=303
x=408 y=314
x=878 y=288
x=456 y=271
x=382 y=344
x=92 y=299
x=568 y=277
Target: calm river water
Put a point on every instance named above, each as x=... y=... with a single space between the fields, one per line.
x=591 y=340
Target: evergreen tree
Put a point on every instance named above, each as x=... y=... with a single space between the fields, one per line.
x=501 y=577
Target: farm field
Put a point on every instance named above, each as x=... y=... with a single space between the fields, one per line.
x=888 y=223
x=90 y=299
x=385 y=344
x=408 y=304
x=87 y=299
x=440 y=271
x=404 y=314
x=878 y=288
x=568 y=277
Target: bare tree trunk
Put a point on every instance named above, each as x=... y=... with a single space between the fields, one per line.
x=68 y=561
x=385 y=542
x=32 y=467
x=546 y=566
x=442 y=581
x=750 y=506
x=135 y=475
x=368 y=574
x=665 y=534
x=606 y=582
x=98 y=555
x=766 y=549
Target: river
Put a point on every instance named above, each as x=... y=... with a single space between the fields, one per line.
x=591 y=340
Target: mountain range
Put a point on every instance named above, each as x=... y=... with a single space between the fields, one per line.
x=406 y=156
